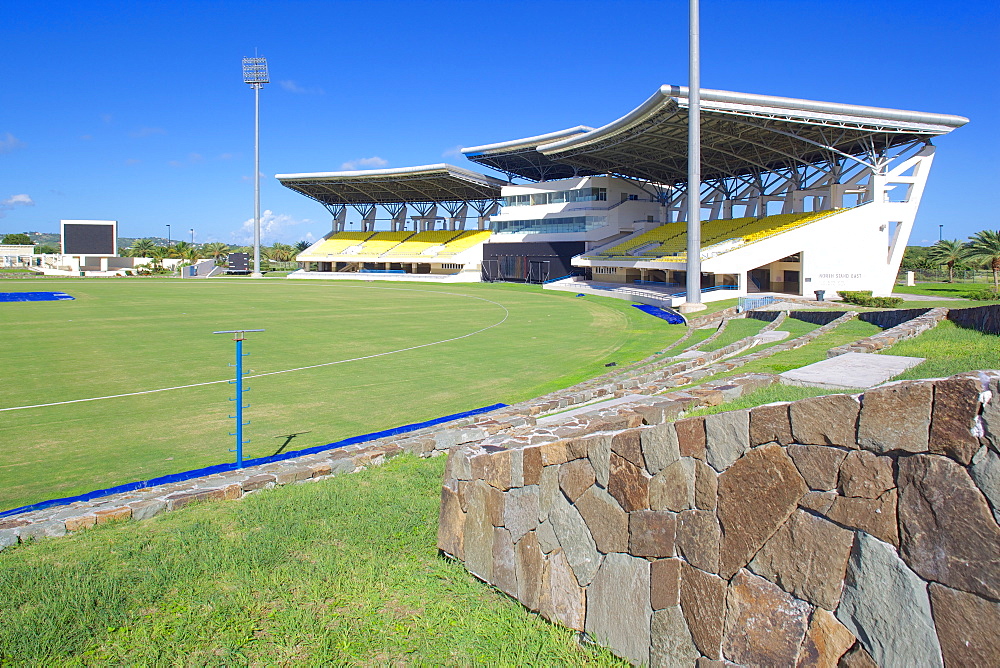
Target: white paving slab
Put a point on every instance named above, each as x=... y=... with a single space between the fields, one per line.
x=589 y=407
x=853 y=370
x=773 y=335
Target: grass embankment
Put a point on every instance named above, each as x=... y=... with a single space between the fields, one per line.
x=734 y=331
x=342 y=572
x=949 y=349
x=127 y=335
x=767 y=395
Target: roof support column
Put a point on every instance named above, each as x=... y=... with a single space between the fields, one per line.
x=397 y=213
x=693 y=287
x=367 y=212
x=485 y=208
x=339 y=213
x=457 y=213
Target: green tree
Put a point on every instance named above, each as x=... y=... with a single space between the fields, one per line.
x=17 y=239
x=984 y=247
x=281 y=253
x=45 y=248
x=142 y=248
x=302 y=245
x=216 y=250
x=157 y=254
x=949 y=253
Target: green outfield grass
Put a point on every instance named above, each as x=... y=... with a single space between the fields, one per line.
x=122 y=336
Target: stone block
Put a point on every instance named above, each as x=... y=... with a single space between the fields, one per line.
x=575 y=478
x=764 y=625
x=991 y=416
x=659 y=447
x=80 y=522
x=953 y=417
x=576 y=542
x=874 y=516
x=547 y=540
x=652 y=533
x=516 y=467
x=947 y=533
x=727 y=437
x=698 y=539
x=818 y=502
x=857 y=657
x=176 y=501
x=607 y=522
x=553 y=454
x=628 y=484
x=338 y=465
x=549 y=495
x=896 y=418
x=673 y=487
x=493 y=468
x=691 y=437
x=451 y=525
x=531 y=465
x=807 y=557
x=234 y=491
x=39 y=530
x=770 y=424
x=478 y=538
x=865 y=475
x=966 y=627
x=670 y=640
x=628 y=444
x=319 y=469
x=826 y=641
x=147 y=509
x=528 y=564
x=599 y=454
x=885 y=606
x=504 y=573
x=520 y=511
x=618 y=608
x=819 y=465
x=749 y=519
x=985 y=472
x=703 y=600
x=828 y=420
x=113 y=514
x=665 y=583
x=259 y=481
x=562 y=599
x=8 y=537
x=291 y=474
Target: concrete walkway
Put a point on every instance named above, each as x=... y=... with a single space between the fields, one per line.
x=851 y=370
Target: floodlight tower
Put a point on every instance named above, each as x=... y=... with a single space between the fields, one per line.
x=255 y=74
x=693 y=284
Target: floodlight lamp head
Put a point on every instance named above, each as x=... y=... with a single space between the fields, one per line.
x=255 y=71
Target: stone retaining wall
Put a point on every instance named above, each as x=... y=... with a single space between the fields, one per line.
x=891 y=318
x=982 y=318
x=860 y=530
x=907 y=330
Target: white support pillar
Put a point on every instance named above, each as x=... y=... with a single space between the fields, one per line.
x=368 y=222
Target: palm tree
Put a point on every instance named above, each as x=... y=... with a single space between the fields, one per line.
x=984 y=247
x=217 y=250
x=281 y=253
x=157 y=253
x=180 y=249
x=302 y=245
x=142 y=248
x=948 y=252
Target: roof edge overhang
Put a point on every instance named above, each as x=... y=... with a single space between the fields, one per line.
x=750 y=103
x=526 y=142
x=440 y=169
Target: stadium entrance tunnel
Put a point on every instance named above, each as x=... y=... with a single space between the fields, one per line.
x=529 y=262
x=784 y=276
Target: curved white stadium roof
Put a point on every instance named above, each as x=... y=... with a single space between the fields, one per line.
x=425 y=183
x=742 y=133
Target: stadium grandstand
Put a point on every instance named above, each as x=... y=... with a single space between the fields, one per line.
x=797 y=196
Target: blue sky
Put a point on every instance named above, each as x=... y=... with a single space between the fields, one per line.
x=137 y=112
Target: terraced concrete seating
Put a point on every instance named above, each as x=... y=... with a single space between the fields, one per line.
x=464 y=241
x=783 y=222
x=337 y=243
x=422 y=241
x=657 y=235
x=381 y=242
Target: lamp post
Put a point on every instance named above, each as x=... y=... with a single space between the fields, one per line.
x=255 y=74
x=168 y=236
x=940 y=232
x=192 y=236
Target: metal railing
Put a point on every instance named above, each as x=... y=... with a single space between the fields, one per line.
x=751 y=303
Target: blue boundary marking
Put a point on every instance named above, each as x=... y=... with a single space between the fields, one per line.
x=34 y=296
x=222 y=468
x=670 y=317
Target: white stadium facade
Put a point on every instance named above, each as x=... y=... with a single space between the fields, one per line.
x=797 y=196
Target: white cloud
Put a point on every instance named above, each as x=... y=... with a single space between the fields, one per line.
x=15 y=200
x=9 y=142
x=247 y=178
x=273 y=227
x=226 y=156
x=373 y=162
x=196 y=158
x=133 y=161
x=453 y=152
x=293 y=87
x=86 y=137
x=146 y=132
x=107 y=118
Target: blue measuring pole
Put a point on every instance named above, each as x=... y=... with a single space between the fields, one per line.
x=238 y=338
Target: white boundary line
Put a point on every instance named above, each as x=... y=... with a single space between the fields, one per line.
x=506 y=314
